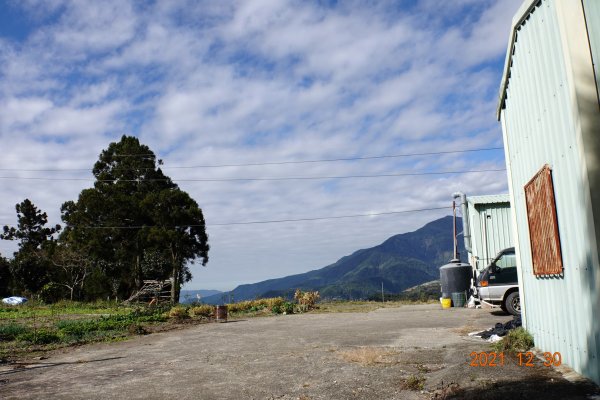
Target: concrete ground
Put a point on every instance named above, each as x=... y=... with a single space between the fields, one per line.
x=410 y=352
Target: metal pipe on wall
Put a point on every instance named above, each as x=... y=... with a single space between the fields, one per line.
x=465 y=219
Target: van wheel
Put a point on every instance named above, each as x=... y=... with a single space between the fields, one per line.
x=512 y=303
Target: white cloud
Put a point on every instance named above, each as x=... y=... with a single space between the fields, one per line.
x=254 y=81
x=22 y=111
x=95 y=26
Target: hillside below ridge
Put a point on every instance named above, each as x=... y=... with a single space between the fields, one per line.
x=400 y=262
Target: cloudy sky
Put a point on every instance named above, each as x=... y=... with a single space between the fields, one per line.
x=271 y=82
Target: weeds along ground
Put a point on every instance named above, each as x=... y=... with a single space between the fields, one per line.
x=34 y=328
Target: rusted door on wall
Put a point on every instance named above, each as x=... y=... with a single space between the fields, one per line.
x=543 y=224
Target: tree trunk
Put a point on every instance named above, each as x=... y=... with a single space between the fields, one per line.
x=138 y=273
x=175 y=284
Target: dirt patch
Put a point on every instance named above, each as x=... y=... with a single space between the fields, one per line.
x=465 y=330
x=369 y=355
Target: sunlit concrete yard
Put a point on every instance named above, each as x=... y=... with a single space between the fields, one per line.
x=407 y=352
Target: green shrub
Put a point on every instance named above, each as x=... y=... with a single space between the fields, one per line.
x=40 y=336
x=147 y=314
x=137 y=329
x=414 y=382
x=256 y=305
x=77 y=329
x=272 y=302
x=178 y=313
x=149 y=318
x=11 y=331
x=52 y=292
x=306 y=300
x=202 y=310
x=287 y=307
x=517 y=340
x=84 y=327
x=241 y=306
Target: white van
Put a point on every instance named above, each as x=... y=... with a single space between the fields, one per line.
x=498 y=283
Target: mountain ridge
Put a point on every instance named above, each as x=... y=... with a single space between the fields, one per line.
x=401 y=261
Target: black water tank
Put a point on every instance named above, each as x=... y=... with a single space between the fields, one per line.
x=455 y=277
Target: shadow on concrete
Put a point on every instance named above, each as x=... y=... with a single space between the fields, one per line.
x=500 y=313
x=530 y=388
x=28 y=367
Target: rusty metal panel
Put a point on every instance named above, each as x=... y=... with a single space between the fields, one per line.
x=543 y=224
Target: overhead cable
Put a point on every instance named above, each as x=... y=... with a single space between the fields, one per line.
x=288 y=178
x=273 y=221
x=263 y=163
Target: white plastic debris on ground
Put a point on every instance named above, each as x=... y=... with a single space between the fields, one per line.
x=494 y=338
x=14 y=300
x=471 y=303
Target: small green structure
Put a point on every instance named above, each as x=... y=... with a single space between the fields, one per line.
x=487 y=227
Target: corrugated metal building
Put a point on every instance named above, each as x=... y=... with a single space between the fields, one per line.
x=489 y=228
x=550 y=115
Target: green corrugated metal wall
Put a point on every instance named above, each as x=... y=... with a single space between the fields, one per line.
x=489 y=235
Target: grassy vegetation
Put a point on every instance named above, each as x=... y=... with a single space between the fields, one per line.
x=34 y=326
x=414 y=382
x=517 y=340
x=33 y=309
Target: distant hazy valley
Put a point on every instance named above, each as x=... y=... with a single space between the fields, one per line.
x=400 y=262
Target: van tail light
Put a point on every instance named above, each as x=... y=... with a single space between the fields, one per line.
x=483 y=283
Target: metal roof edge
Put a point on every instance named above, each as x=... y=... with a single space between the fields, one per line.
x=518 y=19
x=489 y=199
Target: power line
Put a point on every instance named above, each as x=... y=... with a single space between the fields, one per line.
x=258 y=179
x=338 y=159
x=264 y=163
x=325 y=218
x=273 y=221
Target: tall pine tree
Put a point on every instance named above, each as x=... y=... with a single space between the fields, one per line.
x=30 y=267
x=135 y=221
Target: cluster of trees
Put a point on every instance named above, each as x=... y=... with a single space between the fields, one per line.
x=134 y=224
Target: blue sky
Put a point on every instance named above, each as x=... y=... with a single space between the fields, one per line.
x=234 y=82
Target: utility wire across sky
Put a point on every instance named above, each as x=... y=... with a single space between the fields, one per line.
x=273 y=221
x=264 y=163
x=288 y=178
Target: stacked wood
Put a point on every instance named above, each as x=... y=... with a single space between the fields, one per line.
x=152 y=292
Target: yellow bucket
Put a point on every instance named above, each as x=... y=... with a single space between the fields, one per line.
x=446 y=303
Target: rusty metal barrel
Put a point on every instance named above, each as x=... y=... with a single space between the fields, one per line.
x=221 y=313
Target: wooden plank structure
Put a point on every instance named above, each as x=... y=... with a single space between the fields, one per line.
x=153 y=292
